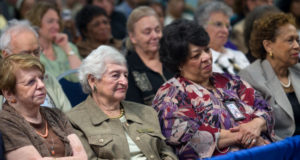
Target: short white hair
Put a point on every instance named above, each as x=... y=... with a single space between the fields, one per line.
x=14 y=27
x=95 y=64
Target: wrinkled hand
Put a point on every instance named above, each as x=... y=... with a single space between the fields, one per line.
x=250 y=133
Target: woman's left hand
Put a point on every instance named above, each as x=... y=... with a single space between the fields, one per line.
x=251 y=131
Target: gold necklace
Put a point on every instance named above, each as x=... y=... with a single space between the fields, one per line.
x=120 y=115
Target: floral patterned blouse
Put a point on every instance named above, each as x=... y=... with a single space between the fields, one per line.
x=191 y=116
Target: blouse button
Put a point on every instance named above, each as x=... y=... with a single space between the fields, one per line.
x=101 y=140
x=138 y=138
x=151 y=156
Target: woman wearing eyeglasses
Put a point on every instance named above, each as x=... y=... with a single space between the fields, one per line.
x=29 y=130
x=214 y=17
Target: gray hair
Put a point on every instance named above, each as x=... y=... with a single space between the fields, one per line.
x=95 y=64
x=14 y=27
x=204 y=11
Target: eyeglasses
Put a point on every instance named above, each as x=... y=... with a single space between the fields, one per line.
x=220 y=25
x=35 y=52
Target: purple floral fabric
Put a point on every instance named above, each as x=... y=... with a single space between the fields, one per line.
x=191 y=116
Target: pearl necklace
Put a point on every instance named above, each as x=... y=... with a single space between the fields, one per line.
x=286 y=85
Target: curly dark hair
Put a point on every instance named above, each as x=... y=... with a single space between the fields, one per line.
x=266 y=28
x=174 y=45
x=86 y=15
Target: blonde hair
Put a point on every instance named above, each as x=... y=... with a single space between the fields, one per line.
x=10 y=65
x=37 y=12
x=137 y=14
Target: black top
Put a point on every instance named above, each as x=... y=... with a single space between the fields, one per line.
x=142 y=81
x=118 y=25
x=1 y=147
x=296 y=109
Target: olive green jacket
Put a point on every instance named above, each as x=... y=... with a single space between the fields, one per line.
x=55 y=92
x=104 y=138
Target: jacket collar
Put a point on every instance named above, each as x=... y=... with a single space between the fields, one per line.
x=97 y=116
x=273 y=83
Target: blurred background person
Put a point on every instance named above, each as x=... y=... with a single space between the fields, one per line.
x=158 y=7
x=214 y=17
x=22 y=7
x=59 y=55
x=113 y=128
x=117 y=18
x=93 y=24
x=203 y=113
x=237 y=33
x=175 y=10
x=257 y=13
x=126 y=7
x=291 y=6
x=30 y=131
x=275 y=43
x=20 y=38
x=160 y=11
x=146 y=73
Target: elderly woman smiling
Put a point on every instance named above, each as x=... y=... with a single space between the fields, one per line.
x=30 y=131
x=109 y=127
x=204 y=113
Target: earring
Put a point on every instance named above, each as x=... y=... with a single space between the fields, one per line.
x=94 y=88
x=271 y=54
x=13 y=101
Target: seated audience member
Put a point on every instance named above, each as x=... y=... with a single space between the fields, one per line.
x=292 y=7
x=22 y=7
x=203 y=113
x=109 y=127
x=117 y=19
x=175 y=10
x=126 y=7
x=20 y=38
x=93 y=24
x=29 y=130
x=276 y=72
x=59 y=55
x=1 y=148
x=160 y=11
x=146 y=72
x=214 y=17
x=237 y=32
x=257 y=13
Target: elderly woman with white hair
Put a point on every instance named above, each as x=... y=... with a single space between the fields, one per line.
x=214 y=18
x=109 y=127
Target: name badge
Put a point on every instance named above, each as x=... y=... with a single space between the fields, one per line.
x=234 y=111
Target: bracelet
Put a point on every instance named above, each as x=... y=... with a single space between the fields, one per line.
x=70 y=53
x=217 y=140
